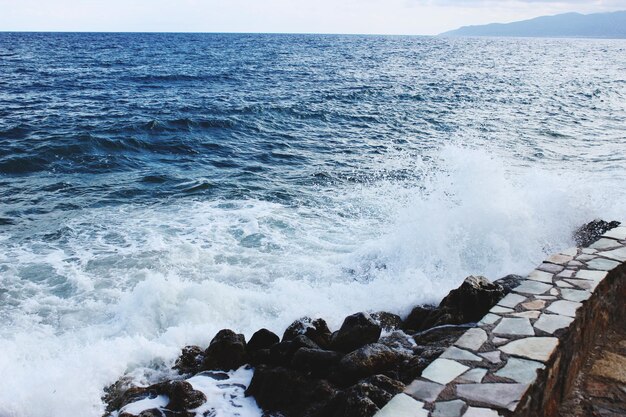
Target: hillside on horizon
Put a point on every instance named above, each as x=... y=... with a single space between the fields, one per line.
x=567 y=25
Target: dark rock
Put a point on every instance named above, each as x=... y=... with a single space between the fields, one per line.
x=261 y=356
x=591 y=232
x=262 y=339
x=368 y=360
x=419 y=318
x=316 y=362
x=282 y=353
x=471 y=301
x=190 y=360
x=387 y=321
x=288 y=391
x=181 y=395
x=365 y=398
x=316 y=330
x=398 y=341
x=509 y=282
x=357 y=330
x=226 y=351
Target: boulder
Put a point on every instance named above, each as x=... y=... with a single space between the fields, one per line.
x=509 y=282
x=226 y=351
x=190 y=360
x=368 y=360
x=357 y=330
x=364 y=398
x=316 y=330
x=315 y=362
x=589 y=233
x=420 y=318
x=471 y=301
x=182 y=396
x=262 y=339
x=398 y=341
x=288 y=391
x=282 y=353
x=387 y=321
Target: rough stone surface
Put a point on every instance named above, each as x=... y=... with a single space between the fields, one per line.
x=489 y=319
x=514 y=326
x=495 y=394
x=501 y=310
x=564 y=308
x=541 y=276
x=534 y=305
x=618 y=233
x=356 y=331
x=617 y=254
x=583 y=283
x=403 y=406
x=472 y=339
x=511 y=300
x=538 y=348
x=575 y=295
x=533 y=287
x=452 y=408
x=459 y=354
x=602 y=264
x=533 y=314
x=443 y=371
x=559 y=259
x=480 y=412
x=520 y=370
x=552 y=268
x=604 y=244
x=424 y=390
x=473 y=375
x=552 y=322
x=493 y=357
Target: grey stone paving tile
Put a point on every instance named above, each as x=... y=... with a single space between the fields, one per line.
x=575 y=264
x=454 y=352
x=617 y=254
x=452 y=408
x=403 y=406
x=618 y=233
x=500 y=310
x=585 y=257
x=534 y=305
x=592 y=275
x=563 y=284
x=541 y=276
x=499 y=340
x=472 y=339
x=550 y=323
x=564 y=307
x=537 y=348
x=559 y=259
x=475 y=375
x=532 y=287
x=602 y=264
x=554 y=292
x=514 y=326
x=480 y=412
x=424 y=390
x=489 y=319
x=604 y=244
x=550 y=268
x=493 y=357
x=533 y=314
x=584 y=284
x=570 y=251
x=575 y=295
x=565 y=274
x=511 y=300
x=443 y=371
x=499 y=395
x=520 y=370
x=588 y=251
x=545 y=297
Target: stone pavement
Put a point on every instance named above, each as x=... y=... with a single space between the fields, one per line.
x=524 y=355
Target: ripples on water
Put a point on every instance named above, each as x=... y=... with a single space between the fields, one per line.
x=156 y=188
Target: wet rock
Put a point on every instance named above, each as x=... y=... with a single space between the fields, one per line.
x=368 y=360
x=262 y=339
x=190 y=360
x=316 y=330
x=471 y=301
x=509 y=282
x=398 y=341
x=226 y=351
x=181 y=395
x=288 y=391
x=282 y=353
x=419 y=318
x=316 y=362
x=261 y=356
x=591 y=232
x=357 y=330
x=387 y=321
x=364 y=398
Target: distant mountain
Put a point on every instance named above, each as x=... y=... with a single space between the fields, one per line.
x=574 y=25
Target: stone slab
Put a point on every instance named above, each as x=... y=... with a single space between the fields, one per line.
x=553 y=268
x=472 y=339
x=495 y=394
x=592 y=275
x=520 y=370
x=527 y=314
x=588 y=251
x=575 y=295
x=563 y=284
x=480 y=412
x=570 y=251
x=424 y=390
x=499 y=340
x=454 y=352
x=537 y=348
x=564 y=308
x=511 y=300
x=617 y=254
x=475 y=375
x=534 y=305
x=541 y=276
x=532 y=287
x=602 y=264
x=550 y=323
x=584 y=284
x=493 y=357
x=604 y=244
x=489 y=319
x=559 y=259
x=403 y=406
x=514 y=326
x=618 y=233
x=501 y=310
x=452 y=408
x=585 y=257
x=443 y=371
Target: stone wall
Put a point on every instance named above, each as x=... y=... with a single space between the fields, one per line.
x=523 y=356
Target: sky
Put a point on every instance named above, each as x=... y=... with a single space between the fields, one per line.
x=406 y=17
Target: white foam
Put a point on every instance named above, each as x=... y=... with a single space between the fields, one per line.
x=131 y=285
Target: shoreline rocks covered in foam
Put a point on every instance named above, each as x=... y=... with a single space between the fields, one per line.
x=313 y=372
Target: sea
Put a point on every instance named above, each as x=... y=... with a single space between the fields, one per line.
x=156 y=188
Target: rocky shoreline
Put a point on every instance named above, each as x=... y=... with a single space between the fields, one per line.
x=313 y=372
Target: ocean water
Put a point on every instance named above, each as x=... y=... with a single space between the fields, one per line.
x=155 y=188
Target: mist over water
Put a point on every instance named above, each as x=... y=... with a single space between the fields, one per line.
x=155 y=189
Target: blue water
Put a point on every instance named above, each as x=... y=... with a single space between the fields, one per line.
x=155 y=188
